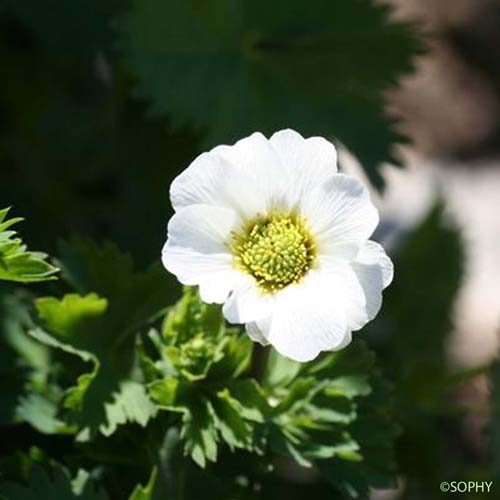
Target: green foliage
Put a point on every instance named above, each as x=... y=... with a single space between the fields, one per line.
x=145 y=492
x=27 y=369
x=494 y=429
x=129 y=398
x=319 y=67
x=412 y=332
x=97 y=330
x=16 y=262
x=182 y=396
x=198 y=362
x=57 y=485
x=332 y=413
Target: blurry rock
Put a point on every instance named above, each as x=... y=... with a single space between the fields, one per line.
x=450 y=106
x=439 y=15
x=444 y=107
x=473 y=202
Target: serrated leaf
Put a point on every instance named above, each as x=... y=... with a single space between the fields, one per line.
x=16 y=262
x=105 y=270
x=100 y=400
x=195 y=375
x=199 y=432
x=74 y=317
x=131 y=404
x=42 y=414
x=319 y=67
x=164 y=391
x=234 y=430
x=332 y=412
x=252 y=403
x=103 y=331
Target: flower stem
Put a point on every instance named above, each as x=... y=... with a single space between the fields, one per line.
x=259 y=361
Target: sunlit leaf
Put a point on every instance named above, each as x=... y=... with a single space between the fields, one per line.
x=17 y=263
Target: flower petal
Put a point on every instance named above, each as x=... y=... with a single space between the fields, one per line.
x=254 y=331
x=212 y=180
x=360 y=283
x=373 y=254
x=306 y=319
x=347 y=340
x=308 y=161
x=216 y=286
x=196 y=249
x=247 y=303
x=257 y=159
x=340 y=209
x=349 y=294
x=374 y=271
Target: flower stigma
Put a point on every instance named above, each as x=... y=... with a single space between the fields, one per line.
x=276 y=249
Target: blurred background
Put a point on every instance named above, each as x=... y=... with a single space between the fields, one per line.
x=103 y=103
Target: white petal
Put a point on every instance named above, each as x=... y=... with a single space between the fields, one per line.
x=360 y=283
x=309 y=161
x=212 y=180
x=256 y=158
x=347 y=340
x=196 y=249
x=331 y=249
x=340 y=209
x=346 y=291
x=215 y=287
x=374 y=272
x=306 y=319
x=255 y=331
x=373 y=254
x=247 y=303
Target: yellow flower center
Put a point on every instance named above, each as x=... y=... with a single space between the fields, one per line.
x=277 y=250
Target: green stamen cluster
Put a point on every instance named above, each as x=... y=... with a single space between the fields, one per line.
x=277 y=250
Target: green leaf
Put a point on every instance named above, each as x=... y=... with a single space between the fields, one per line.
x=57 y=485
x=131 y=404
x=105 y=270
x=16 y=262
x=251 y=399
x=103 y=331
x=279 y=370
x=411 y=335
x=319 y=67
x=102 y=399
x=145 y=492
x=42 y=414
x=233 y=428
x=198 y=343
x=74 y=317
x=494 y=428
x=334 y=413
x=195 y=375
x=26 y=367
x=164 y=391
x=199 y=432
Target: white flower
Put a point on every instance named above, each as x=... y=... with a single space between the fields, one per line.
x=270 y=229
